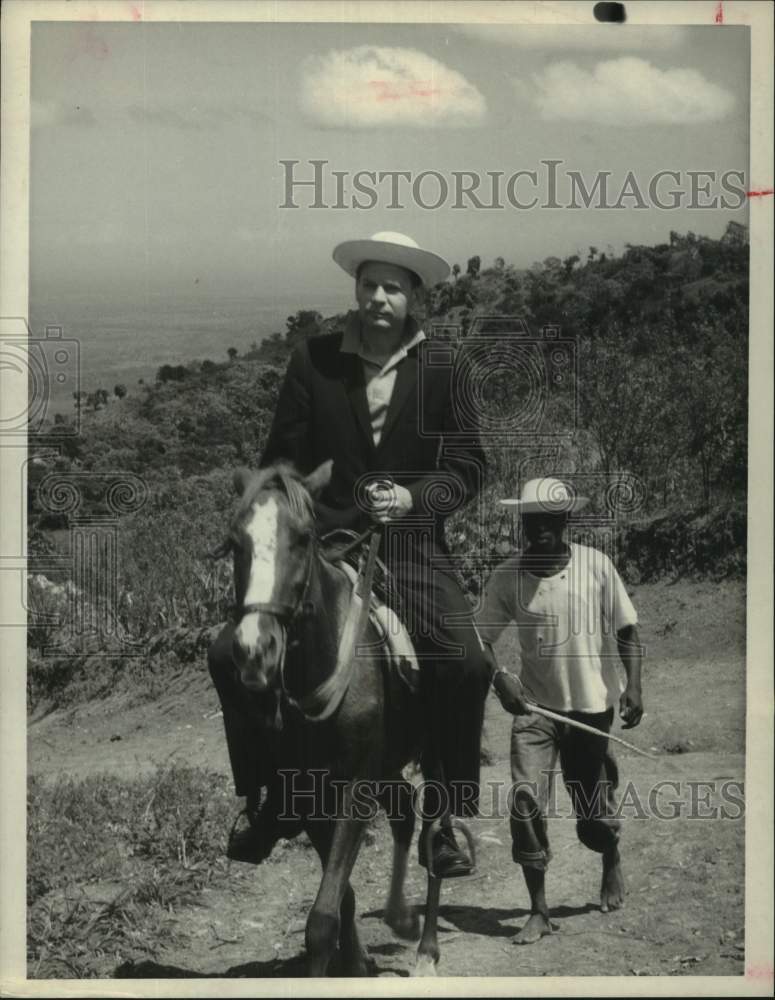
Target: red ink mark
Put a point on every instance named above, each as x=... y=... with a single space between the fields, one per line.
x=759 y=194
x=760 y=971
x=719 y=15
x=136 y=14
x=384 y=91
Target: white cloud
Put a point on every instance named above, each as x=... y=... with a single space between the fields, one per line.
x=368 y=87
x=577 y=37
x=629 y=92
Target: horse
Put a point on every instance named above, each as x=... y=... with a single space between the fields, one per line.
x=291 y=609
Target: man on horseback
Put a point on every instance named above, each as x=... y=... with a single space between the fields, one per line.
x=373 y=399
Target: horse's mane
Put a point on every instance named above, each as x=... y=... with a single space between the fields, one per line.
x=286 y=479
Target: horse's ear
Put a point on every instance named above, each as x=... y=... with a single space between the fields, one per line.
x=240 y=480
x=319 y=478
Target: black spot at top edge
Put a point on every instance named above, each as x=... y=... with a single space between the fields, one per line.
x=610 y=12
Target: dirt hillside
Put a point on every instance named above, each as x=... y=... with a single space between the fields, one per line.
x=684 y=909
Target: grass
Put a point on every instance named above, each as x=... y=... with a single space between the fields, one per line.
x=111 y=860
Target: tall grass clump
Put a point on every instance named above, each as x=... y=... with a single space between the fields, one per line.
x=110 y=860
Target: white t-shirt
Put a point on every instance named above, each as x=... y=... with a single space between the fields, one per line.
x=566 y=627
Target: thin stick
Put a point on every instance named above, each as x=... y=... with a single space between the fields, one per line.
x=588 y=729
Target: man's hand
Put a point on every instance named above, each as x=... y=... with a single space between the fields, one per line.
x=631 y=706
x=510 y=692
x=388 y=501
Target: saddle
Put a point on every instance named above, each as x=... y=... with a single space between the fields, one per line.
x=340 y=548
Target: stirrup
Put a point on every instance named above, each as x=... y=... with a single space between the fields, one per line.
x=454 y=823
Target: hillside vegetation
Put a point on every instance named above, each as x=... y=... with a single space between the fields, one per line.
x=653 y=405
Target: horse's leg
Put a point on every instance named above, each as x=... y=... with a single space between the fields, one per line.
x=397 y=802
x=325 y=924
x=352 y=954
x=428 y=950
x=355 y=961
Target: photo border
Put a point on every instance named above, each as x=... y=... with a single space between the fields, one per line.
x=17 y=16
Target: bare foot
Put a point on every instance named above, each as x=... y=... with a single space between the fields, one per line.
x=612 y=886
x=537 y=926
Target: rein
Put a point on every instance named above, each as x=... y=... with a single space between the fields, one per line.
x=323 y=701
x=320 y=703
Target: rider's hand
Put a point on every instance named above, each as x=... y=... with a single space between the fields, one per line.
x=511 y=693
x=388 y=501
x=631 y=707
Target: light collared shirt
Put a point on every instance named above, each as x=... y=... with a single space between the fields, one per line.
x=566 y=627
x=379 y=376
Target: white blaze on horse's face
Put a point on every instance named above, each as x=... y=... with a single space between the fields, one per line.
x=262 y=530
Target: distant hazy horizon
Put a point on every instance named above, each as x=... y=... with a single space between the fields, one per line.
x=121 y=341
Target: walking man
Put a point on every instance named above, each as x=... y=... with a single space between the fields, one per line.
x=371 y=399
x=575 y=623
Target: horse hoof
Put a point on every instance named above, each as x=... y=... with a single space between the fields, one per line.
x=363 y=969
x=425 y=966
x=405 y=925
x=360 y=966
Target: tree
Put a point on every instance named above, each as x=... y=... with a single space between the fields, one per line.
x=474 y=266
x=569 y=263
x=232 y=352
x=119 y=391
x=500 y=263
x=736 y=234
x=171 y=373
x=305 y=323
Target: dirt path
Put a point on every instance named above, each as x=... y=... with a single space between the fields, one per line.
x=684 y=910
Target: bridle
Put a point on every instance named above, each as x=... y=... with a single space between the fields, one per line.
x=320 y=703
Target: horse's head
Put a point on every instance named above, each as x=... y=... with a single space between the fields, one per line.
x=272 y=539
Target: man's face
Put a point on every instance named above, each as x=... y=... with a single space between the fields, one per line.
x=543 y=532
x=385 y=297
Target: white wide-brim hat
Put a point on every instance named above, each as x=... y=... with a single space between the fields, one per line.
x=392 y=248
x=546 y=496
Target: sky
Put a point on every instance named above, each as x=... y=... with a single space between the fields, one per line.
x=156 y=149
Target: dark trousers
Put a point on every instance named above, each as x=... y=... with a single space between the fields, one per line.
x=590 y=775
x=454 y=682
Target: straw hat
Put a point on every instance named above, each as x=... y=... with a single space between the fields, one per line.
x=548 y=496
x=392 y=248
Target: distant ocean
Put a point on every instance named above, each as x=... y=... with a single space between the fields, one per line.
x=122 y=343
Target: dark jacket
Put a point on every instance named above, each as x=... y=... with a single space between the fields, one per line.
x=426 y=444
